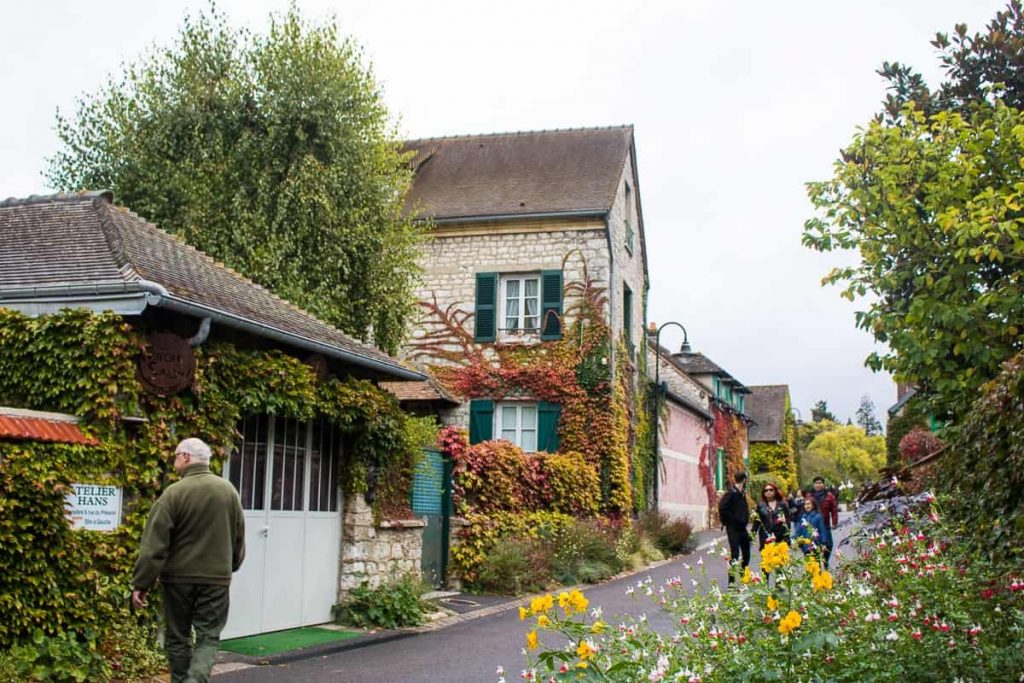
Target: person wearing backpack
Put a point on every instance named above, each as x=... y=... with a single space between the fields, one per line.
x=734 y=514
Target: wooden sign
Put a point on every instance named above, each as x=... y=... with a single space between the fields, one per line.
x=167 y=365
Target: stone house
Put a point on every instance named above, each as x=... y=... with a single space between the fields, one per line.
x=684 y=444
x=514 y=218
x=306 y=542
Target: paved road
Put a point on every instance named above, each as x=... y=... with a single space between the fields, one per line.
x=468 y=652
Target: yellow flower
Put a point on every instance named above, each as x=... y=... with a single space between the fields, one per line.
x=746 y=575
x=581 y=665
x=543 y=621
x=813 y=567
x=523 y=612
x=822 y=581
x=573 y=601
x=790 y=622
x=773 y=604
x=774 y=555
x=543 y=604
x=598 y=627
x=531 y=640
x=585 y=650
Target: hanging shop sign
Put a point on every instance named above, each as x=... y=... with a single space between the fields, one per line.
x=167 y=365
x=94 y=507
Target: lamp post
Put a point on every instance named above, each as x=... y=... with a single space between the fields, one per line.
x=685 y=349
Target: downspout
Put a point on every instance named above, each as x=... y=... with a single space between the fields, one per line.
x=611 y=296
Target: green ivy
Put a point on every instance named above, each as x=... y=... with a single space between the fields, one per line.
x=57 y=580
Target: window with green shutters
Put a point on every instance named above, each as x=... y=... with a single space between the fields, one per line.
x=529 y=425
x=516 y=304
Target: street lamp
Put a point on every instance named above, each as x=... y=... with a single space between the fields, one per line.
x=684 y=350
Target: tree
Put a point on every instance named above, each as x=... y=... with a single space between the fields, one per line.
x=821 y=412
x=866 y=416
x=273 y=153
x=842 y=454
x=934 y=206
x=975 y=66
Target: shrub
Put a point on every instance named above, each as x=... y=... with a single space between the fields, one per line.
x=130 y=648
x=572 y=485
x=586 y=551
x=392 y=605
x=671 y=536
x=918 y=443
x=516 y=565
x=984 y=468
x=484 y=532
x=64 y=657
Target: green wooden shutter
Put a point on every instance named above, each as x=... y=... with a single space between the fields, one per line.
x=486 y=307
x=551 y=304
x=720 y=469
x=481 y=420
x=547 y=426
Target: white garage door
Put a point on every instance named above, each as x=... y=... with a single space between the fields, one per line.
x=286 y=474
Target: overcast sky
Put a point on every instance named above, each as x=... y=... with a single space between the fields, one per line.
x=736 y=105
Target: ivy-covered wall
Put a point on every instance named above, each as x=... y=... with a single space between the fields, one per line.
x=53 y=578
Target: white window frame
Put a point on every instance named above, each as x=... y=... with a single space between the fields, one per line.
x=520 y=329
x=499 y=431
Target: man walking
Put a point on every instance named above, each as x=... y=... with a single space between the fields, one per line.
x=734 y=513
x=194 y=540
x=829 y=507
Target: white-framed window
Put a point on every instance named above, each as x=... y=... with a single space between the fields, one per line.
x=519 y=303
x=517 y=422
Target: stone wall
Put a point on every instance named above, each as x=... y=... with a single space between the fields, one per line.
x=374 y=553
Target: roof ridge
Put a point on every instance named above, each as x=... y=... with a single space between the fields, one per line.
x=103 y=203
x=541 y=131
x=80 y=196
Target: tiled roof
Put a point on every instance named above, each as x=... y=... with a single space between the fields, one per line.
x=698 y=364
x=82 y=242
x=766 y=405
x=32 y=425
x=512 y=174
x=417 y=391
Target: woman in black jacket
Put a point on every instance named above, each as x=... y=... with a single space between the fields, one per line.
x=772 y=516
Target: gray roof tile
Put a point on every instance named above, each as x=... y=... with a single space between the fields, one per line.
x=84 y=240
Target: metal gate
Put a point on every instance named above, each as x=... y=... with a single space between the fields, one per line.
x=432 y=499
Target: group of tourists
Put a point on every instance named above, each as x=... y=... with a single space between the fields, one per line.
x=806 y=518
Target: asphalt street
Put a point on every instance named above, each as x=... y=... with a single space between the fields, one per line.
x=471 y=652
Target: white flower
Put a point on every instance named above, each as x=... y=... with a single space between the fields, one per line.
x=629 y=590
x=892 y=635
x=500 y=671
x=700 y=561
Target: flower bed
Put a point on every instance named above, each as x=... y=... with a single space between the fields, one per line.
x=910 y=607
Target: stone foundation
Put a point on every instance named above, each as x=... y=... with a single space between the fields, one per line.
x=376 y=554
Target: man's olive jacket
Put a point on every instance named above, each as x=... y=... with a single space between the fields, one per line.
x=195 y=533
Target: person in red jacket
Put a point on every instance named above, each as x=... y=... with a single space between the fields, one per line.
x=829 y=507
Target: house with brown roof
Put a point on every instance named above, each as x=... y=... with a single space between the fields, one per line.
x=514 y=219
x=305 y=541
x=772 y=435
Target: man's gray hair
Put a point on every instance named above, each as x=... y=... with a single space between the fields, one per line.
x=196 y=448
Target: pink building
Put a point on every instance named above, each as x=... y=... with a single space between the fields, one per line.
x=683 y=443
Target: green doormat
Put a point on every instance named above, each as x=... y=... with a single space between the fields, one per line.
x=283 y=641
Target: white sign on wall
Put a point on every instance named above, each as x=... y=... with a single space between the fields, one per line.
x=94 y=507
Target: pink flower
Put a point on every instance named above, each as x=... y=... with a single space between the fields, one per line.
x=916 y=635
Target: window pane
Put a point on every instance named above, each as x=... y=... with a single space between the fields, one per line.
x=529 y=440
x=509 y=435
x=315 y=460
x=529 y=417
x=532 y=286
x=512 y=314
x=508 y=417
